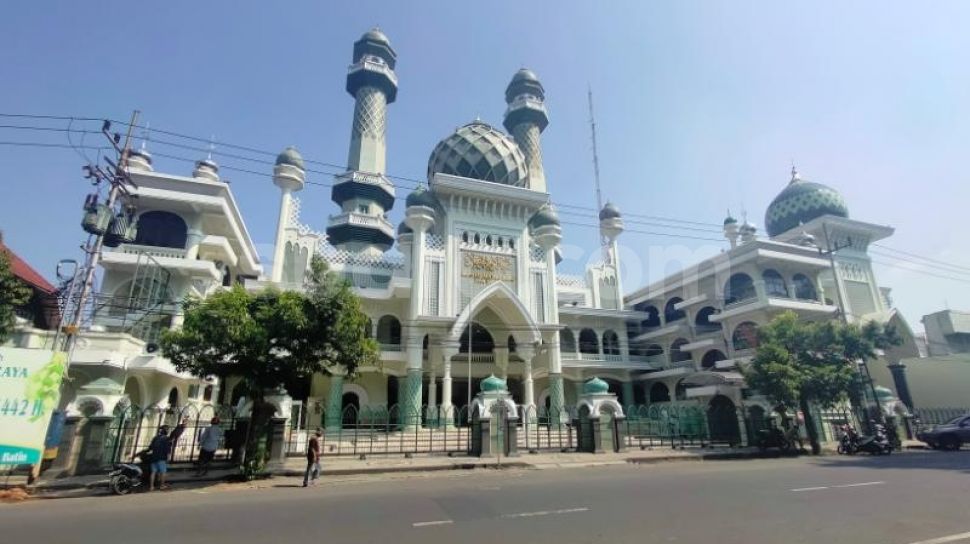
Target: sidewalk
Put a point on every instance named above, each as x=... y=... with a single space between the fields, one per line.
x=347 y=466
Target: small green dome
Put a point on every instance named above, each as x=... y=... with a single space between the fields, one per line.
x=609 y=211
x=545 y=216
x=729 y=220
x=290 y=156
x=596 y=386
x=884 y=393
x=493 y=383
x=800 y=202
x=421 y=197
x=375 y=35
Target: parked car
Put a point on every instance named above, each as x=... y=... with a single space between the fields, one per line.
x=948 y=436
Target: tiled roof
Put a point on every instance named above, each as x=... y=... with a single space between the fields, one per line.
x=25 y=272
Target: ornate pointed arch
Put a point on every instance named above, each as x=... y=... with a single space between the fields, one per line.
x=506 y=304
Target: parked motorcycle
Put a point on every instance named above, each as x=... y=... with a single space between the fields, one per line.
x=876 y=444
x=849 y=442
x=774 y=437
x=126 y=477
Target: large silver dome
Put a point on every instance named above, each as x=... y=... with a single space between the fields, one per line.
x=479 y=151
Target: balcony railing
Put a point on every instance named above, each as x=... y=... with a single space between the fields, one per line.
x=152 y=251
x=354 y=218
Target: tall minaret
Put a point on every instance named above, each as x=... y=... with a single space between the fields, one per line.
x=526 y=118
x=289 y=174
x=363 y=192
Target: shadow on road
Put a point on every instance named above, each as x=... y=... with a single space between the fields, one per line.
x=928 y=460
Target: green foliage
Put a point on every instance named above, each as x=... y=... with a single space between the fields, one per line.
x=816 y=361
x=270 y=338
x=13 y=293
x=801 y=363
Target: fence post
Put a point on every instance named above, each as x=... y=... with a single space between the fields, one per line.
x=277 y=445
x=94 y=439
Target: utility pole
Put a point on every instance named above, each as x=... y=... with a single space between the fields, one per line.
x=117 y=176
x=829 y=251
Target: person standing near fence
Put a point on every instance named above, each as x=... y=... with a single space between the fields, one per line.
x=208 y=444
x=312 y=459
x=160 y=448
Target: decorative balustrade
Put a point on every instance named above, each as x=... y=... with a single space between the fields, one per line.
x=152 y=251
x=575 y=282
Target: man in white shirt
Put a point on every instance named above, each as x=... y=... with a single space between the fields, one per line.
x=209 y=442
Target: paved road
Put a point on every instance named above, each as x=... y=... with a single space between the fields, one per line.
x=902 y=499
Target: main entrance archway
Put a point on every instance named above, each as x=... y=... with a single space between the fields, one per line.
x=722 y=420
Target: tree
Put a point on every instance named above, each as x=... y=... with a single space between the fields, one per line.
x=13 y=293
x=270 y=338
x=799 y=363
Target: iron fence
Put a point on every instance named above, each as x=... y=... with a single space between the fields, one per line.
x=133 y=428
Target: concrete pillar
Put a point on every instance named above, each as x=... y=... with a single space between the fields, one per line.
x=501 y=355
x=91 y=458
x=448 y=412
x=277 y=443
x=68 y=449
x=628 y=398
x=334 y=418
x=417 y=273
x=410 y=395
x=557 y=396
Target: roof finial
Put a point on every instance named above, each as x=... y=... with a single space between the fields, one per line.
x=212 y=145
x=794 y=173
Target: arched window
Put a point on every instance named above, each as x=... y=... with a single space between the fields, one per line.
x=804 y=288
x=425 y=342
x=173 y=399
x=653 y=350
x=672 y=314
x=482 y=341
x=207 y=393
x=464 y=237
x=676 y=354
x=611 y=343
x=711 y=358
x=511 y=344
x=227 y=277
x=703 y=320
x=659 y=393
x=774 y=284
x=739 y=287
x=567 y=341
x=588 y=342
x=389 y=331
x=635 y=348
x=653 y=317
x=745 y=336
x=161 y=229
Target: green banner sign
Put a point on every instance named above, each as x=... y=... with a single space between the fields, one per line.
x=30 y=381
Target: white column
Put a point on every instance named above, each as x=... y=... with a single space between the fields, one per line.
x=448 y=412
x=286 y=202
x=502 y=361
x=194 y=237
x=529 y=386
x=417 y=273
x=615 y=249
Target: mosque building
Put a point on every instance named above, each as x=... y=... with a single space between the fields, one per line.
x=467 y=286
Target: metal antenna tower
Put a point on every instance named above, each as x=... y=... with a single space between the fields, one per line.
x=596 y=174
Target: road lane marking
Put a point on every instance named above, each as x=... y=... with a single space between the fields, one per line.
x=818 y=488
x=945 y=539
x=546 y=513
x=862 y=484
x=432 y=523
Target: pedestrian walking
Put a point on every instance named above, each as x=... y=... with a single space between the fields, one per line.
x=312 y=459
x=160 y=447
x=176 y=434
x=208 y=444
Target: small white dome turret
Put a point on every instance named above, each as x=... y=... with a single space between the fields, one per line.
x=206 y=169
x=289 y=172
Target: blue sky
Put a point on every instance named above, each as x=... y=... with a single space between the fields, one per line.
x=700 y=106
